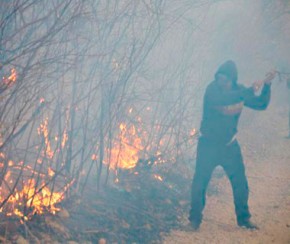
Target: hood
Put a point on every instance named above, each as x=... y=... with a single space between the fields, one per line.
x=230 y=70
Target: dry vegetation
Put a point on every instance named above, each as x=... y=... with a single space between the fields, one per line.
x=100 y=104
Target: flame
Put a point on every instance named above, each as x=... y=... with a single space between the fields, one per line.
x=31 y=198
x=64 y=138
x=34 y=190
x=43 y=129
x=158 y=177
x=65 y=133
x=13 y=75
x=50 y=172
x=125 y=152
x=128 y=148
x=11 y=79
x=94 y=157
x=38 y=201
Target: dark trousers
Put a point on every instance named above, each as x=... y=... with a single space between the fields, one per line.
x=209 y=155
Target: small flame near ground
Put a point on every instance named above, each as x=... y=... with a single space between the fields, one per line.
x=125 y=152
x=37 y=196
x=29 y=196
x=25 y=190
x=128 y=148
x=11 y=79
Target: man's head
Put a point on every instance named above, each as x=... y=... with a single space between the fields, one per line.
x=227 y=74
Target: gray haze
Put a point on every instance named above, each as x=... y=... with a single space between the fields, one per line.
x=93 y=61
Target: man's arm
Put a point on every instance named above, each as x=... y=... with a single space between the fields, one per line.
x=260 y=102
x=223 y=97
x=219 y=97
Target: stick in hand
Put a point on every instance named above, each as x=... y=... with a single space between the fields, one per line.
x=268 y=79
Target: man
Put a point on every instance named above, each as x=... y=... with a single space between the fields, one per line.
x=224 y=100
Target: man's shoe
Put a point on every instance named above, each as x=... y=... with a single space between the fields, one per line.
x=247 y=224
x=195 y=224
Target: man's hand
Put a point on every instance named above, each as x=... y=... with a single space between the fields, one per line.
x=257 y=85
x=270 y=76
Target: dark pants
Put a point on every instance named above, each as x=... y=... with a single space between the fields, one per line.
x=209 y=155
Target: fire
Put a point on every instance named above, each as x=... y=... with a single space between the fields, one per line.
x=36 y=199
x=11 y=79
x=94 y=157
x=64 y=138
x=43 y=129
x=158 y=177
x=44 y=132
x=125 y=153
x=131 y=146
x=13 y=75
x=31 y=197
x=65 y=133
x=50 y=172
x=27 y=190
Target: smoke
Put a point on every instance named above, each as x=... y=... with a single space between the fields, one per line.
x=90 y=62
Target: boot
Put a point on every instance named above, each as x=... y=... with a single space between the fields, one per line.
x=194 y=225
x=247 y=224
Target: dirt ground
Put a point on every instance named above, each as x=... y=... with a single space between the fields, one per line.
x=267 y=158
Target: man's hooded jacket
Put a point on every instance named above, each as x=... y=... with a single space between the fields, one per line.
x=222 y=108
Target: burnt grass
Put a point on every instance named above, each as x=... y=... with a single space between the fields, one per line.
x=138 y=209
